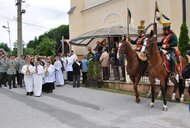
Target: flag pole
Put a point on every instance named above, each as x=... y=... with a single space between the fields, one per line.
x=154 y=23
x=128 y=21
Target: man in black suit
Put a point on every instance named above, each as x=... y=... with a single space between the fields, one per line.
x=77 y=66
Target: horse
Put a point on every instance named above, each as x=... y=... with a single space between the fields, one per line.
x=156 y=69
x=135 y=66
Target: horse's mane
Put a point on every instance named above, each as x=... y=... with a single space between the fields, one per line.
x=128 y=46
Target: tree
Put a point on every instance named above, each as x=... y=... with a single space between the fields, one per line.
x=5 y=47
x=29 y=51
x=46 y=47
x=33 y=43
x=54 y=34
x=183 y=39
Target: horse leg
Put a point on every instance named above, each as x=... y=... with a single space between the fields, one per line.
x=135 y=83
x=165 y=108
x=152 y=91
x=174 y=81
x=181 y=88
x=160 y=92
x=149 y=93
x=137 y=79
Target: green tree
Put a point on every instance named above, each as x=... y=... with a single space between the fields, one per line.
x=14 y=52
x=46 y=47
x=29 y=51
x=33 y=43
x=183 y=39
x=5 y=47
x=54 y=34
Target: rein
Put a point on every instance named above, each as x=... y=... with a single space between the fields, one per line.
x=150 y=52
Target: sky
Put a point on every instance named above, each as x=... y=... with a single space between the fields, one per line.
x=40 y=17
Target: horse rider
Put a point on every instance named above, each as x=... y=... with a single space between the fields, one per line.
x=169 y=41
x=139 y=41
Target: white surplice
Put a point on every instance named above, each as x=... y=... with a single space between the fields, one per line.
x=58 y=73
x=37 y=76
x=28 y=78
x=49 y=77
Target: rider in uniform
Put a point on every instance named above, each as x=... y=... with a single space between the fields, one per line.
x=139 y=41
x=141 y=36
x=169 y=41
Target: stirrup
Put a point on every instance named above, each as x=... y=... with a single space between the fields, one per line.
x=172 y=75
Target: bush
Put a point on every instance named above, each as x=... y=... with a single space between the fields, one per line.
x=94 y=70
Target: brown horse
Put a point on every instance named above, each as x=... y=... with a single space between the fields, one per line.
x=156 y=69
x=135 y=66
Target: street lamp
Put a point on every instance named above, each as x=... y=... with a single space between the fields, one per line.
x=8 y=30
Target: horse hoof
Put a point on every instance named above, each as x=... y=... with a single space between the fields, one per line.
x=165 y=108
x=173 y=97
x=138 y=100
x=151 y=105
x=182 y=98
x=173 y=100
x=159 y=96
x=148 y=95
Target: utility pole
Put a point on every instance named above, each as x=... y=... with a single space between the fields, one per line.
x=19 y=27
x=9 y=31
x=62 y=44
x=184 y=10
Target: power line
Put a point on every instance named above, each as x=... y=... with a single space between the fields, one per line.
x=13 y=20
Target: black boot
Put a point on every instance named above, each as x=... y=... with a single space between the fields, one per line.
x=31 y=93
x=14 y=86
x=27 y=93
x=172 y=69
x=10 y=87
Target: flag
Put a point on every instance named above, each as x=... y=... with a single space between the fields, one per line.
x=161 y=15
x=128 y=16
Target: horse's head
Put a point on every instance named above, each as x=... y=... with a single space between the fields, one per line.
x=149 y=43
x=122 y=49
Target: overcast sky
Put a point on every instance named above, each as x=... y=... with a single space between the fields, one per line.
x=40 y=17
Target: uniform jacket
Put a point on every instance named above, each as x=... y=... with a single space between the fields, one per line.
x=3 y=66
x=11 y=67
x=170 y=41
x=139 y=41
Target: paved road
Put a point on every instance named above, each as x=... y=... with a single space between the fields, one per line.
x=71 y=107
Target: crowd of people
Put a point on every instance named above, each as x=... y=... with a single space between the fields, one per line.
x=41 y=73
x=37 y=73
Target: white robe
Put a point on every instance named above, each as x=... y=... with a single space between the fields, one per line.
x=28 y=78
x=70 y=61
x=37 y=76
x=58 y=73
x=50 y=76
x=65 y=65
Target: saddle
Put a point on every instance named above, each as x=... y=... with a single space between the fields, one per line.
x=141 y=56
x=166 y=58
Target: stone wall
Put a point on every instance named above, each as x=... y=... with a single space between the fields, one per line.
x=142 y=88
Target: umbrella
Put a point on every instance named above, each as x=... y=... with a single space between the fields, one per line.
x=114 y=31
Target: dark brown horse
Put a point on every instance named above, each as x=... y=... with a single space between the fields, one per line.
x=156 y=69
x=135 y=66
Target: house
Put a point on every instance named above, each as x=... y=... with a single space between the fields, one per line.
x=89 y=15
